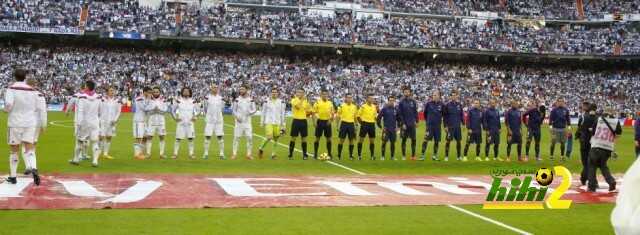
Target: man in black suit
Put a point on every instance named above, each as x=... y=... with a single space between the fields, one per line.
x=584 y=132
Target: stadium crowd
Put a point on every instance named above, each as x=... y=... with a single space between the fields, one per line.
x=343 y=28
x=62 y=70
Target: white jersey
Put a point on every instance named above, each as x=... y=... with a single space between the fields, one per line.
x=185 y=110
x=243 y=108
x=41 y=111
x=603 y=137
x=155 y=110
x=20 y=102
x=273 y=112
x=214 y=107
x=88 y=112
x=72 y=104
x=110 y=109
x=139 y=115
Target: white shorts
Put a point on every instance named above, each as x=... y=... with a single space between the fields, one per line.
x=243 y=131
x=18 y=135
x=36 y=135
x=138 y=130
x=106 y=129
x=88 y=133
x=160 y=130
x=185 y=131
x=216 y=128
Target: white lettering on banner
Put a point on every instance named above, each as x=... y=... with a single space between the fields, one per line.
x=400 y=188
x=81 y=188
x=135 y=193
x=450 y=188
x=241 y=188
x=347 y=188
x=13 y=190
x=473 y=183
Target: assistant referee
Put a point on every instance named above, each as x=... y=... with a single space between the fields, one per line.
x=324 y=111
x=300 y=108
x=367 y=117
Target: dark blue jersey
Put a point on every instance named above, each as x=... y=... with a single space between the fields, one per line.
x=433 y=113
x=559 y=118
x=388 y=118
x=513 y=119
x=408 y=112
x=453 y=114
x=491 y=120
x=636 y=127
x=533 y=118
x=474 y=121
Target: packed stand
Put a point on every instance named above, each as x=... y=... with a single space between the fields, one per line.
x=61 y=71
x=40 y=13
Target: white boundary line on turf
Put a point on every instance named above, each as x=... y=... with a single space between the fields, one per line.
x=298 y=150
x=517 y=230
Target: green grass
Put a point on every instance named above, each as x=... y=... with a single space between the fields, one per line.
x=591 y=219
x=56 y=147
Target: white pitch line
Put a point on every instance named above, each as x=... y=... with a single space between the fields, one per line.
x=517 y=230
x=300 y=151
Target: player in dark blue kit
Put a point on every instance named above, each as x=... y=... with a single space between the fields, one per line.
x=491 y=124
x=408 y=115
x=453 y=117
x=433 y=118
x=533 y=118
x=513 y=122
x=559 y=122
x=388 y=120
x=474 y=129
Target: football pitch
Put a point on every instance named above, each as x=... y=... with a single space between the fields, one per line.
x=55 y=148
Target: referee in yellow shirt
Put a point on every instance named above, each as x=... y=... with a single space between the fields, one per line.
x=324 y=111
x=300 y=108
x=347 y=119
x=367 y=115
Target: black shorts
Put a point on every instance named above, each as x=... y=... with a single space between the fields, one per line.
x=454 y=133
x=533 y=134
x=474 y=137
x=368 y=129
x=516 y=138
x=409 y=132
x=389 y=135
x=347 y=129
x=493 y=137
x=433 y=133
x=323 y=127
x=299 y=128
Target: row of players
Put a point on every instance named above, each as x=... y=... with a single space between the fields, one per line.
x=97 y=117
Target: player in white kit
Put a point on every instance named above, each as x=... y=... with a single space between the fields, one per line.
x=72 y=106
x=110 y=109
x=156 y=109
x=273 y=121
x=88 y=114
x=139 y=123
x=214 y=105
x=41 y=124
x=21 y=104
x=243 y=108
x=185 y=114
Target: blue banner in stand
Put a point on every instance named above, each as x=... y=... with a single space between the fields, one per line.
x=126 y=35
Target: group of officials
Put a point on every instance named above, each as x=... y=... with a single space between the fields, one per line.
x=97 y=116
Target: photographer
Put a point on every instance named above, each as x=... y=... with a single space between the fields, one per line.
x=602 y=147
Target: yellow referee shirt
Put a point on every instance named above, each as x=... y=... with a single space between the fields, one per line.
x=299 y=112
x=348 y=112
x=324 y=109
x=368 y=113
